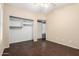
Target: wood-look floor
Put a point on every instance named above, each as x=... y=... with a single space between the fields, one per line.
x=39 y=48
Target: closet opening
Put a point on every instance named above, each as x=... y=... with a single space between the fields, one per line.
x=41 y=29
x=20 y=29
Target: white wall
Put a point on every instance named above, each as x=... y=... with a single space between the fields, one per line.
x=1 y=20
x=63 y=25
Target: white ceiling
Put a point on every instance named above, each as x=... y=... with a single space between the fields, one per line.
x=32 y=8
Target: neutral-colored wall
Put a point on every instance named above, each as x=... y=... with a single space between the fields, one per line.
x=1 y=20
x=18 y=12
x=63 y=26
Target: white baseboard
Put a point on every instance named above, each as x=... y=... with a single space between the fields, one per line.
x=65 y=44
x=1 y=52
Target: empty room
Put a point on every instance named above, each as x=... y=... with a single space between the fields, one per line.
x=39 y=29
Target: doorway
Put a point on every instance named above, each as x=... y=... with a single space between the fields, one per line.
x=42 y=29
x=20 y=29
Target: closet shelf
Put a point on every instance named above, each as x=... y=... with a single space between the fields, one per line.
x=13 y=27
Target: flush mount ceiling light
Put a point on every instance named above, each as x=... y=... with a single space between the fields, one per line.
x=44 y=5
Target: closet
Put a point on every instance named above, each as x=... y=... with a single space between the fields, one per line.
x=42 y=29
x=20 y=29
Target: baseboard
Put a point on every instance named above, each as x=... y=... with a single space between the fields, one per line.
x=39 y=38
x=2 y=50
x=64 y=44
x=20 y=41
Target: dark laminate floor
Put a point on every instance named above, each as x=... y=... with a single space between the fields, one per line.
x=40 y=48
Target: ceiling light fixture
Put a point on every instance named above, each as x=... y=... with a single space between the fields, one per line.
x=44 y=5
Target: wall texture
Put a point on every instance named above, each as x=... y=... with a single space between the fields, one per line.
x=63 y=25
